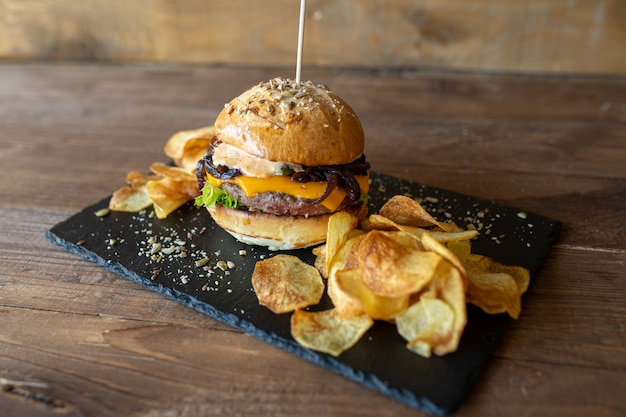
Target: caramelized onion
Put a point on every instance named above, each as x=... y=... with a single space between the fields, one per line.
x=337 y=176
x=205 y=165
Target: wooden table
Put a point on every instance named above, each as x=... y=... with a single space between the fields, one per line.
x=77 y=340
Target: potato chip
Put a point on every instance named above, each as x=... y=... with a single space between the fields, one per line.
x=461 y=249
x=428 y=243
x=425 y=324
x=175 y=173
x=320 y=260
x=450 y=286
x=130 y=199
x=165 y=197
x=351 y=296
x=346 y=302
x=175 y=146
x=136 y=179
x=427 y=240
x=134 y=197
x=406 y=211
x=378 y=222
x=174 y=188
x=446 y=237
x=319 y=251
x=520 y=275
x=392 y=269
x=346 y=257
x=339 y=225
x=325 y=331
x=193 y=151
x=494 y=292
x=284 y=283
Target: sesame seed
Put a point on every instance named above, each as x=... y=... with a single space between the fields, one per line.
x=156 y=247
x=102 y=212
x=169 y=250
x=202 y=262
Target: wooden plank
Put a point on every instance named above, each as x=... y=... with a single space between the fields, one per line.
x=137 y=366
x=555 y=36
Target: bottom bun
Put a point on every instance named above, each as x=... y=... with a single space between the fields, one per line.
x=276 y=232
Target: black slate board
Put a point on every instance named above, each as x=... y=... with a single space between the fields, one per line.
x=120 y=243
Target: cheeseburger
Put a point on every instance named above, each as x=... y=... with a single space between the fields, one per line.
x=284 y=157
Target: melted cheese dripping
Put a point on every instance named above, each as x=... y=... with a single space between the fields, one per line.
x=283 y=184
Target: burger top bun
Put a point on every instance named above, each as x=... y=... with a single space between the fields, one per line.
x=281 y=120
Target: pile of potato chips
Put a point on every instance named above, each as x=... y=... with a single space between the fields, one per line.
x=400 y=266
x=169 y=187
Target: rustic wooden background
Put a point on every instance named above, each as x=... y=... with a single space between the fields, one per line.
x=529 y=36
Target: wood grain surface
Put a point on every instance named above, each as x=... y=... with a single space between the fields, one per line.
x=77 y=340
x=538 y=36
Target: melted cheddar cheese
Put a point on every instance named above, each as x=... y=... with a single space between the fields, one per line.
x=252 y=186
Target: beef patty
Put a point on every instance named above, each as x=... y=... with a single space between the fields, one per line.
x=276 y=203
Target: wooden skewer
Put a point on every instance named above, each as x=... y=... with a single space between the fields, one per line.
x=300 y=40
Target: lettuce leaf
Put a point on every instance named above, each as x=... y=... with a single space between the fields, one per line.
x=211 y=196
x=364 y=198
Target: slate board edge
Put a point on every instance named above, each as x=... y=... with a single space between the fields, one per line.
x=323 y=360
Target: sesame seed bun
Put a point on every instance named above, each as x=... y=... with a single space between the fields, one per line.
x=281 y=120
